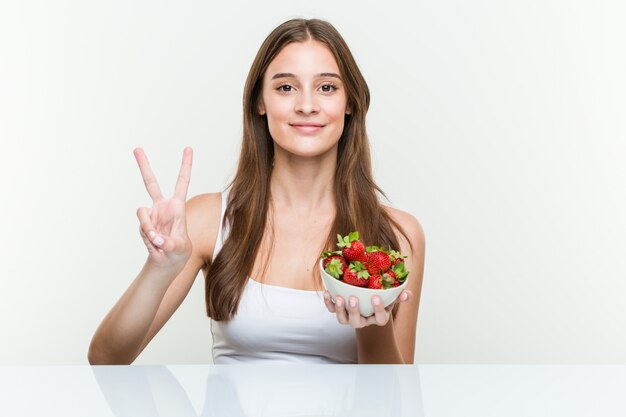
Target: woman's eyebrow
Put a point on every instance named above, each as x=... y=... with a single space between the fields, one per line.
x=290 y=75
x=329 y=74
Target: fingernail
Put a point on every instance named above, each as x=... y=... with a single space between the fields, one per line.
x=326 y=296
x=151 y=234
x=158 y=241
x=405 y=296
x=352 y=302
x=339 y=302
x=376 y=301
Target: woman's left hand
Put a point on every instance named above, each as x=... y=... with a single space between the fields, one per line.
x=348 y=312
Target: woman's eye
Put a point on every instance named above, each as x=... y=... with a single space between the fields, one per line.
x=286 y=88
x=328 y=88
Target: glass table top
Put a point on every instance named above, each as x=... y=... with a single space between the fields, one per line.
x=313 y=390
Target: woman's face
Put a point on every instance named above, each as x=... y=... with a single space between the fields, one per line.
x=304 y=99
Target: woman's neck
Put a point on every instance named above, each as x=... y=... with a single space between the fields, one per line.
x=303 y=185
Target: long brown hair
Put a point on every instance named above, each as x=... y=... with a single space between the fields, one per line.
x=358 y=206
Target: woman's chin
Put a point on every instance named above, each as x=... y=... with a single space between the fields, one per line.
x=305 y=152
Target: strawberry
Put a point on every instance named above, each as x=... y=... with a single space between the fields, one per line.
x=387 y=279
x=396 y=283
x=362 y=259
x=330 y=258
x=378 y=262
x=335 y=266
x=397 y=261
x=395 y=257
x=400 y=271
x=353 y=248
x=356 y=275
x=375 y=282
x=351 y=278
x=390 y=274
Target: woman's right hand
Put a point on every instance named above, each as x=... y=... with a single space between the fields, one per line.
x=164 y=227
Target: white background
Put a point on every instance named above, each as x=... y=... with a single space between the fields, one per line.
x=498 y=124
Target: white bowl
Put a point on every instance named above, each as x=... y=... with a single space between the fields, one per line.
x=364 y=294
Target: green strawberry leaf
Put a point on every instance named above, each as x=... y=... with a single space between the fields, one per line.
x=394 y=254
x=353 y=236
x=386 y=279
x=340 y=241
x=334 y=268
x=400 y=270
x=363 y=274
x=356 y=266
x=360 y=269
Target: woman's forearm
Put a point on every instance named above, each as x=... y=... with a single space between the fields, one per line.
x=119 y=337
x=377 y=344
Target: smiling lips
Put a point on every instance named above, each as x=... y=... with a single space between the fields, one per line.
x=307 y=127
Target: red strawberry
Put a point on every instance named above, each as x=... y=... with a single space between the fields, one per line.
x=390 y=274
x=356 y=275
x=400 y=271
x=388 y=279
x=355 y=252
x=351 y=277
x=341 y=259
x=396 y=257
x=375 y=282
x=395 y=283
x=352 y=248
x=362 y=259
x=397 y=261
x=378 y=262
x=335 y=266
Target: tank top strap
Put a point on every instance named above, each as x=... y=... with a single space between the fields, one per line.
x=222 y=231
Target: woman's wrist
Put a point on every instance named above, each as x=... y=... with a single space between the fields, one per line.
x=160 y=276
x=164 y=270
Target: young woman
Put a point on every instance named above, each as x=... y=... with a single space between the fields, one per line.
x=304 y=176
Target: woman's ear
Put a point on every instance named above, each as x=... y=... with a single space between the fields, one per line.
x=261 y=108
x=348 y=110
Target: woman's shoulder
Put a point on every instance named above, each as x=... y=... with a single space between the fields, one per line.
x=205 y=201
x=409 y=223
x=203 y=213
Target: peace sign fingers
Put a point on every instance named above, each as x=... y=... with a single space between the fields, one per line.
x=148 y=176
x=182 y=184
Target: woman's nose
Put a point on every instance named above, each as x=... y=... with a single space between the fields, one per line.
x=306 y=103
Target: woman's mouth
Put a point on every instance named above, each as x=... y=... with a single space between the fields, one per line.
x=307 y=127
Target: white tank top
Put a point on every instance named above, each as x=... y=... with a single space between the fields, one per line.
x=279 y=325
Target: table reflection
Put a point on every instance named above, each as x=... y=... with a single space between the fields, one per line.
x=266 y=390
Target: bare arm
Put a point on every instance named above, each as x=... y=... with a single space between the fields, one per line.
x=381 y=338
x=405 y=322
x=167 y=275
x=203 y=214
x=395 y=341
x=120 y=337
